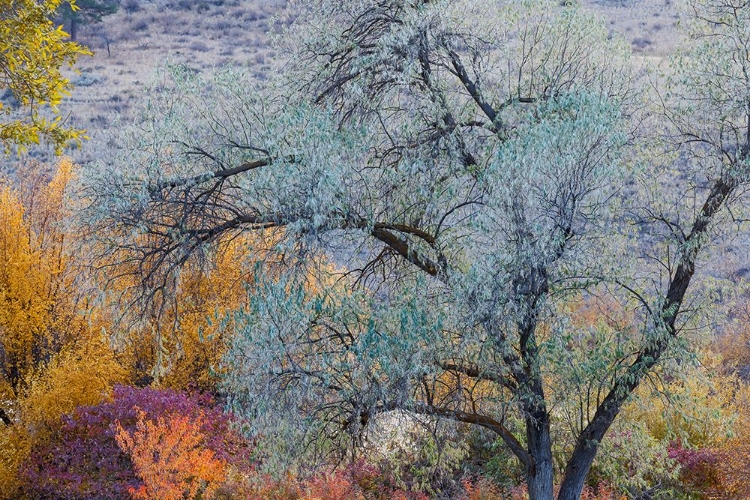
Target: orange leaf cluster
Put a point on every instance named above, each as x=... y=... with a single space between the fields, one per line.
x=169 y=457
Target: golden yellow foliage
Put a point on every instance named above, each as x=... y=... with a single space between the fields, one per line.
x=39 y=313
x=697 y=410
x=734 y=454
x=23 y=293
x=52 y=354
x=15 y=442
x=32 y=52
x=203 y=300
x=182 y=346
x=81 y=375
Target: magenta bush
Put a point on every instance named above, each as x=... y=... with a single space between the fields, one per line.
x=83 y=461
x=698 y=467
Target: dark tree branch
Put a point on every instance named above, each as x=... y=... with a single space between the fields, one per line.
x=476 y=373
x=483 y=421
x=587 y=443
x=220 y=174
x=405 y=250
x=460 y=71
x=403 y=228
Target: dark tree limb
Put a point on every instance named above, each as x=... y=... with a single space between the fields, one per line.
x=664 y=330
x=483 y=421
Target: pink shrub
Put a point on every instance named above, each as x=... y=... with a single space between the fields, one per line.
x=83 y=460
x=699 y=468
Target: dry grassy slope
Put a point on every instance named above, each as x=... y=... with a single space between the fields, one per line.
x=649 y=25
x=206 y=33
x=130 y=44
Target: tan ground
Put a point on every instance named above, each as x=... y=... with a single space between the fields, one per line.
x=204 y=34
x=649 y=25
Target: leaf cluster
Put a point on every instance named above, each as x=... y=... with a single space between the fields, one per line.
x=33 y=52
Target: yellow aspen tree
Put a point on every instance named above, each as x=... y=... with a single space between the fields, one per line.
x=40 y=312
x=203 y=300
x=22 y=291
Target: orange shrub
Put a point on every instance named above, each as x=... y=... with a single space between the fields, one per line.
x=356 y=481
x=169 y=457
x=481 y=489
x=734 y=455
x=602 y=491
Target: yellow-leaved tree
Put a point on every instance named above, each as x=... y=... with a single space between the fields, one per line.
x=179 y=342
x=205 y=297
x=32 y=53
x=36 y=319
x=53 y=356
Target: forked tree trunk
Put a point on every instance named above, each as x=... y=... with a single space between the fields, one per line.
x=575 y=475
x=585 y=451
x=580 y=462
x=540 y=478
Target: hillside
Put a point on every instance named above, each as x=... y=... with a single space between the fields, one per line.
x=130 y=44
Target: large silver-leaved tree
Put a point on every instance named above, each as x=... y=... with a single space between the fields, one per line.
x=469 y=168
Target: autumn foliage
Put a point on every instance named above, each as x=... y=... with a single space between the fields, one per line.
x=38 y=316
x=358 y=480
x=84 y=459
x=484 y=489
x=77 y=434
x=170 y=457
x=53 y=355
x=33 y=52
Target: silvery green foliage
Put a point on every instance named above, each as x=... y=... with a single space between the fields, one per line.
x=482 y=160
x=486 y=207
x=712 y=78
x=461 y=160
x=413 y=151
x=152 y=203
x=705 y=106
x=325 y=361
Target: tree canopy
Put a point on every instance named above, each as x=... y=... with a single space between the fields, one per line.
x=475 y=169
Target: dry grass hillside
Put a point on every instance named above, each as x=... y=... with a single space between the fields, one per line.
x=649 y=25
x=205 y=34
x=130 y=44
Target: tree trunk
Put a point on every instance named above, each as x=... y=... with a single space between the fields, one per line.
x=583 y=456
x=540 y=476
x=585 y=451
x=531 y=286
x=73 y=29
x=575 y=474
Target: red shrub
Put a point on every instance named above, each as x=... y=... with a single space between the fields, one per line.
x=699 y=468
x=83 y=460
